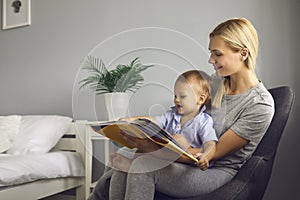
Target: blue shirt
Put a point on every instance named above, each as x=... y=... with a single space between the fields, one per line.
x=196 y=131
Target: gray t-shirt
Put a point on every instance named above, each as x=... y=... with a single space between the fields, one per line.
x=248 y=114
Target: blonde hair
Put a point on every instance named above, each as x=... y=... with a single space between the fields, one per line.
x=238 y=34
x=198 y=79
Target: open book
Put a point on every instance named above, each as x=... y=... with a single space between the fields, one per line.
x=140 y=128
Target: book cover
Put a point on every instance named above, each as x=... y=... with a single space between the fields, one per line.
x=140 y=128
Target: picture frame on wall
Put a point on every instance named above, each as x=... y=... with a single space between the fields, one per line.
x=16 y=13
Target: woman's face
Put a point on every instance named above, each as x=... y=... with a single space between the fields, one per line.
x=225 y=61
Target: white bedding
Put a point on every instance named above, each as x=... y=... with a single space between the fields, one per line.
x=17 y=169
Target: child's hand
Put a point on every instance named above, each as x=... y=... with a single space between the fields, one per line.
x=203 y=162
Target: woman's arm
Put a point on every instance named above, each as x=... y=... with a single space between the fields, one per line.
x=184 y=159
x=228 y=142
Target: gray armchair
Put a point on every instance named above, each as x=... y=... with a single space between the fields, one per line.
x=252 y=179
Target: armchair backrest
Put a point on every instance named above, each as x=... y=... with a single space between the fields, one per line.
x=252 y=179
x=283 y=98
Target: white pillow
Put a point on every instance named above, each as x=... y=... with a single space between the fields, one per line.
x=9 y=129
x=39 y=133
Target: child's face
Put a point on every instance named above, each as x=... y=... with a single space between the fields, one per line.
x=186 y=100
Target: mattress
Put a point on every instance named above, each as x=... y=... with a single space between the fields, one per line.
x=18 y=169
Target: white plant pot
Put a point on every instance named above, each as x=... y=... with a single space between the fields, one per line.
x=116 y=104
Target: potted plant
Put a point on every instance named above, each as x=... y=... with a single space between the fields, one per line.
x=113 y=84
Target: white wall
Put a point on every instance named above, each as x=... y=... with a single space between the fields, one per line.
x=40 y=63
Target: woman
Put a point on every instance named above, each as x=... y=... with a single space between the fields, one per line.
x=242 y=110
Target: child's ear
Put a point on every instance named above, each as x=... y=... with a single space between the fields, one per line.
x=202 y=99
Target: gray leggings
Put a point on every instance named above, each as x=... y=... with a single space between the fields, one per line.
x=175 y=179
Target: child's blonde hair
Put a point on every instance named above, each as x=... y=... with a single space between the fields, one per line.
x=238 y=33
x=199 y=80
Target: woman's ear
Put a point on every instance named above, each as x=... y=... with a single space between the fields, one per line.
x=244 y=54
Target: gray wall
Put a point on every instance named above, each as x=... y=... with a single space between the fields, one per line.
x=39 y=68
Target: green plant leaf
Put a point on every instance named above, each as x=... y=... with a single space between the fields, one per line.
x=97 y=69
x=132 y=79
x=121 y=79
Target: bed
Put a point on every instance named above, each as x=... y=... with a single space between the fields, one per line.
x=44 y=157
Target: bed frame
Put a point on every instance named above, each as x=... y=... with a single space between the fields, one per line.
x=71 y=141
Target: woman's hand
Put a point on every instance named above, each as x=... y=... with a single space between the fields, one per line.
x=120 y=162
x=143 y=145
x=146 y=146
